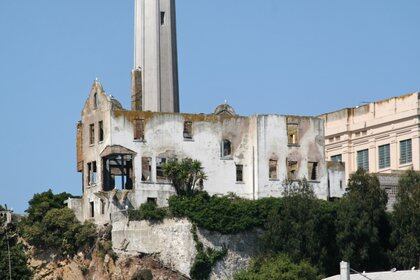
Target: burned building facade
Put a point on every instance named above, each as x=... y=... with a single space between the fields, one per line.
x=121 y=152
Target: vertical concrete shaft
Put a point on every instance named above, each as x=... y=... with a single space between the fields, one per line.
x=155 y=53
x=344 y=271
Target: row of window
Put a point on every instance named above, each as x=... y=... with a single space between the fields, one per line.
x=384 y=156
x=92 y=134
x=292 y=131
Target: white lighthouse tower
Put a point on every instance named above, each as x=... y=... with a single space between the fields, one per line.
x=155 y=73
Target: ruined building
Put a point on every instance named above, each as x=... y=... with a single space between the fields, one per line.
x=121 y=152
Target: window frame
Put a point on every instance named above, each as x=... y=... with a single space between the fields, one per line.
x=365 y=157
x=384 y=156
x=408 y=152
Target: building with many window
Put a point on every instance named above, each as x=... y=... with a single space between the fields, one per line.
x=380 y=137
x=121 y=153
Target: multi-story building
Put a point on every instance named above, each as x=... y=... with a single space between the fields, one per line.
x=380 y=137
x=121 y=152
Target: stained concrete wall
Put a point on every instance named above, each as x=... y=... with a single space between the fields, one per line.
x=172 y=242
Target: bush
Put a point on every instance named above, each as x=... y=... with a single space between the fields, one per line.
x=148 y=211
x=278 y=267
x=52 y=226
x=227 y=214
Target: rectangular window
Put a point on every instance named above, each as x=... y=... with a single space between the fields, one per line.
x=152 y=200
x=139 y=129
x=292 y=134
x=363 y=160
x=102 y=207
x=146 y=167
x=92 y=134
x=92 y=209
x=337 y=158
x=313 y=171
x=188 y=130
x=92 y=171
x=384 y=153
x=239 y=173
x=101 y=131
x=162 y=18
x=292 y=170
x=406 y=152
x=273 y=169
x=226 y=148
x=160 y=175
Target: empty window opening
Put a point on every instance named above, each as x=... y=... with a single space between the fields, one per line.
x=273 y=169
x=337 y=158
x=146 y=169
x=101 y=131
x=226 y=148
x=92 y=173
x=160 y=174
x=92 y=209
x=95 y=101
x=139 y=129
x=118 y=172
x=292 y=134
x=162 y=18
x=406 y=152
x=92 y=134
x=313 y=171
x=384 y=156
x=152 y=200
x=239 y=173
x=292 y=170
x=102 y=207
x=363 y=160
x=341 y=184
x=188 y=130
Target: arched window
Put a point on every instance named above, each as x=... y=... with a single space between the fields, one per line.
x=95 y=101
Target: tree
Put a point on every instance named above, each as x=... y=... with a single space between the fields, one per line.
x=187 y=175
x=278 y=267
x=18 y=259
x=406 y=222
x=303 y=228
x=50 y=225
x=362 y=224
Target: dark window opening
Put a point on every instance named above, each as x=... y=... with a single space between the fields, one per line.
x=160 y=174
x=384 y=156
x=292 y=170
x=188 y=130
x=118 y=172
x=139 y=129
x=101 y=131
x=92 y=173
x=92 y=134
x=293 y=134
x=272 y=165
x=152 y=200
x=341 y=184
x=363 y=160
x=162 y=18
x=102 y=207
x=313 y=171
x=95 y=101
x=226 y=148
x=406 y=154
x=146 y=169
x=92 y=209
x=239 y=173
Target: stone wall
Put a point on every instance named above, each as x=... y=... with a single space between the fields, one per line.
x=172 y=243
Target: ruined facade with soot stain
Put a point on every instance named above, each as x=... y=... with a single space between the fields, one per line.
x=121 y=152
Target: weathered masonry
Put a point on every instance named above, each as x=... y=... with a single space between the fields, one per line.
x=120 y=154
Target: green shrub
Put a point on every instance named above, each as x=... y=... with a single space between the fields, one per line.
x=278 y=267
x=227 y=214
x=148 y=211
x=50 y=225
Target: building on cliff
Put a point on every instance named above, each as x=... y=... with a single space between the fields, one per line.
x=121 y=152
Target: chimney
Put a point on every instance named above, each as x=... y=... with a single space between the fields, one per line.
x=136 y=90
x=344 y=271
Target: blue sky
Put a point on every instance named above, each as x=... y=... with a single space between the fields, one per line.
x=267 y=56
